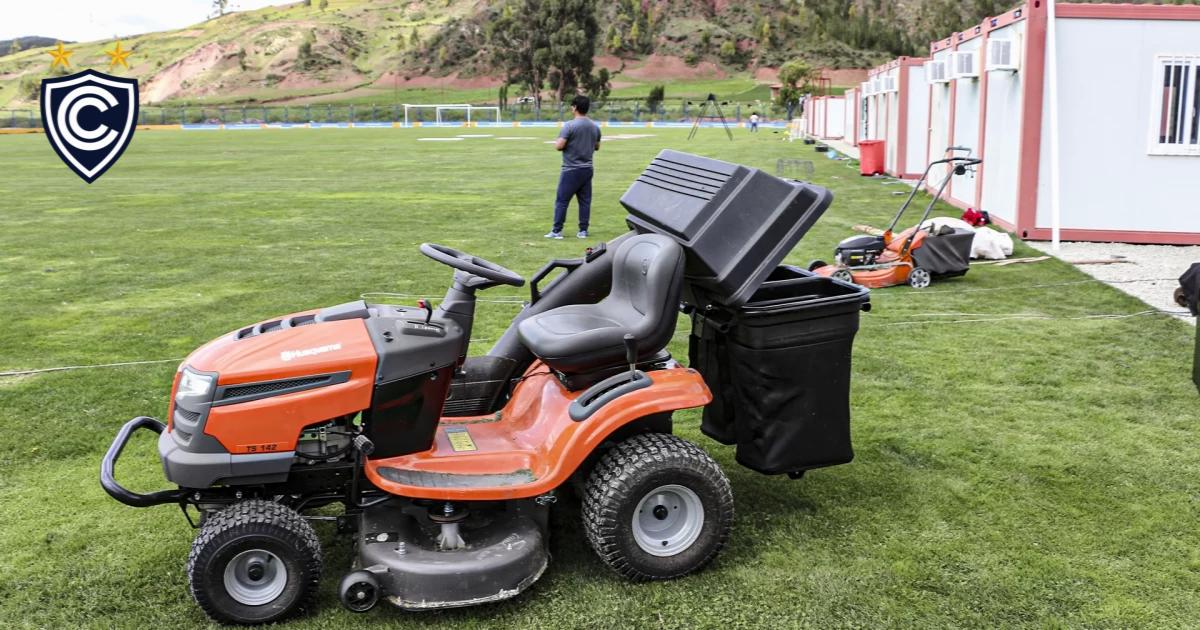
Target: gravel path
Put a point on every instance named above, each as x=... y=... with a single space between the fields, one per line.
x=1157 y=267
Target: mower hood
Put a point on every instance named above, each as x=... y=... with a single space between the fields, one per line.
x=297 y=345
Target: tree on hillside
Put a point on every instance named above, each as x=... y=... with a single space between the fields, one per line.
x=655 y=99
x=728 y=51
x=598 y=86
x=539 y=41
x=220 y=6
x=15 y=47
x=517 y=48
x=796 y=78
x=414 y=39
x=324 y=5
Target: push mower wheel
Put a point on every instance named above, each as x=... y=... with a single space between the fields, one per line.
x=657 y=507
x=844 y=275
x=919 y=278
x=1180 y=297
x=816 y=264
x=254 y=562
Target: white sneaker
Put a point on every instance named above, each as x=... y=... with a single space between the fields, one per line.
x=557 y=235
x=582 y=234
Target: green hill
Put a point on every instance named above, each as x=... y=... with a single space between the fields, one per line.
x=367 y=49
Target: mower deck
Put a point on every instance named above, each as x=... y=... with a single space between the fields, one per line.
x=531 y=446
x=505 y=553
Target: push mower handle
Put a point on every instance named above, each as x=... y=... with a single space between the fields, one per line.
x=116 y=490
x=963 y=161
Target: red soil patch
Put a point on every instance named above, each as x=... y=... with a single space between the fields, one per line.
x=663 y=67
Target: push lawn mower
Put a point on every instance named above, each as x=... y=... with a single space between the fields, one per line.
x=447 y=465
x=914 y=256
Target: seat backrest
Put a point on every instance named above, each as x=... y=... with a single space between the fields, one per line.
x=647 y=276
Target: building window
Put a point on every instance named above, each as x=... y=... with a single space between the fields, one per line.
x=1176 y=105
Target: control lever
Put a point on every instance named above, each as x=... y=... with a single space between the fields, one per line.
x=428 y=309
x=631 y=356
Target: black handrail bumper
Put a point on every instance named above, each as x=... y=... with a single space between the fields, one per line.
x=109 y=483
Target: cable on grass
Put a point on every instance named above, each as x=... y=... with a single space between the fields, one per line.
x=66 y=368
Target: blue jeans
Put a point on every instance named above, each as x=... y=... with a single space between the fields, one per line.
x=573 y=183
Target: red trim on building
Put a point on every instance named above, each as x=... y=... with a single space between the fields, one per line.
x=1129 y=11
x=1034 y=83
x=1116 y=236
x=969 y=34
x=1000 y=21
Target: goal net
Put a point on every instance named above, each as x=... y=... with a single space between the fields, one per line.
x=450 y=114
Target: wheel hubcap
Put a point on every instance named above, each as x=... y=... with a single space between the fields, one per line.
x=255 y=577
x=920 y=278
x=668 y=520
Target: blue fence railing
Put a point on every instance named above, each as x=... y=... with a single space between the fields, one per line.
x=615 y=111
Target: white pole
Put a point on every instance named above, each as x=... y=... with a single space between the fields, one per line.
x=1055 y=173
x=468 y=115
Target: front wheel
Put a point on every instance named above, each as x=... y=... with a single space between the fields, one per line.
x=254 y=562
x=657 y=507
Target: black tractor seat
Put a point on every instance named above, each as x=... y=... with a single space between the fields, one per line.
x=644 y=302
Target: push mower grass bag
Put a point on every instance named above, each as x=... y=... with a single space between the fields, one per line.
x=945 y=252
x=779 y=370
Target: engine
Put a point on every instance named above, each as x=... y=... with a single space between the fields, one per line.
x=327 y=442
x=859 y=251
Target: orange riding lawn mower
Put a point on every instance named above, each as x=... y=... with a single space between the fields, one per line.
x=446 y=466
x=915 y=256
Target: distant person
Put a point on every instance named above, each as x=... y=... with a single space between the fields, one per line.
x=578 y=140
x=753 y=122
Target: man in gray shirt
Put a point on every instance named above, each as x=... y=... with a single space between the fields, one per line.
x=578 y=140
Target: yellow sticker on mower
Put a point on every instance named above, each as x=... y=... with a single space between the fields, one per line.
x=460 y=440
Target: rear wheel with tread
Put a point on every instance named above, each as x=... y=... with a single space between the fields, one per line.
x=657 y=507
x=844 y=275
x=254 y=562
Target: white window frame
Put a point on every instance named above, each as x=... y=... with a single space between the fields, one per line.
x=1188 y=99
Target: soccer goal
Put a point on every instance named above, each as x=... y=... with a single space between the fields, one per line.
x=445 y=114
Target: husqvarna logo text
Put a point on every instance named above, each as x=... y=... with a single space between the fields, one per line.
x=288 y=355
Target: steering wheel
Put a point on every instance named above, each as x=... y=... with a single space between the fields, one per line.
x=472 y=264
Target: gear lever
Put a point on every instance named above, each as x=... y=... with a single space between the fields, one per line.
x=631 y=356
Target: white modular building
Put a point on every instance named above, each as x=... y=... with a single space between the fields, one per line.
x=1128 y=98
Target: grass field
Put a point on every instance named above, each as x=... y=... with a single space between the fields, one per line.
x=1020 y=472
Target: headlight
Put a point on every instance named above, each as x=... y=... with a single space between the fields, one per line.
x=193 y=385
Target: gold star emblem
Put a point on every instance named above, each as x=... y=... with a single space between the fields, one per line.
x=118 y=57
x=61 y=57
